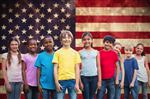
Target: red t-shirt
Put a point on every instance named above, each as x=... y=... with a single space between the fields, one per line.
x=108 y=61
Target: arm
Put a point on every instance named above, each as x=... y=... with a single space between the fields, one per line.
x=38 y=80
x=133 y=79
x=6 y=82
x=148 y=70
x=117 y=73
x=123 y=73
x=77 y=76
x=99 y=71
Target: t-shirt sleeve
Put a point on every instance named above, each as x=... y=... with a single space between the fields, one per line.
x=4 y=56
x=115 y=57
x=78 y=58
x=135 y=66
x=55 y=58
x=38 y=62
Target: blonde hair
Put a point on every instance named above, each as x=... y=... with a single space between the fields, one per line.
x=64 y=33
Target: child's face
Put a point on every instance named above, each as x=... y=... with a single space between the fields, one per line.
x=66 y=41
x=139 y=49
x=14 y=45
x=128 y=52
x=108 y=45
x=48 y=43
x=87 y=41
x=32 y=46
x=117 y=47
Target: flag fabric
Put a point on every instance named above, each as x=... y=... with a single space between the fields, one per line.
x=126 y=20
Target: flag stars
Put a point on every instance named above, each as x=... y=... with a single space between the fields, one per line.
x=56 y=5
x=3 y=5
x=24 y=31
x=17 y=5
x=49 y=20
x=10 y=31
x=37 y=31
x=17 y=37
x=3 y=27
x=3 y=47
x=24 y=10
x=55 y=37
x=42 y=37
x=30 y=15
x=67 y=15
x=3 y=37
x=30 y=5
x=37 y=10
x=24 y=41
x=17 y=15
x=67 y=27
x=42 y=5
x=30 y=27
x=3 y=15
x=62 y=10
x=42 y=15
x=49 y=10
x=30 y=36
x=42 y=47
x=42 y=27
x=10 y=10
x=17 y=27
x=24 y=20
x=68 y=5
x=10 y=20
x=55 y=27
x=37 y=20
x=49 y=31
x=55 y=47
x=55 y=15
x=62 y=20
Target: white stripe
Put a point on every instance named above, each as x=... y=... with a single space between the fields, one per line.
x=112 y=11
x=115 y=27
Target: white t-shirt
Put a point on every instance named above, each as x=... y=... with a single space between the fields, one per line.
x=14 y=72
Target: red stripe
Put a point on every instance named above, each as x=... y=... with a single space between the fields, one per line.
x=118 y=35
x=1 y=82
x=146 y=49
x=112 y=3
x=110 y=19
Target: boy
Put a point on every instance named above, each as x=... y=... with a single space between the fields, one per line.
x=131 y=67
x=66 y=67
x=108 y=61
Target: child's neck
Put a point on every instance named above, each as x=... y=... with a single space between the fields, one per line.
x=33 y=53
x=66 y=47
x=14 y=53
x=88 y=48
x=49 y=51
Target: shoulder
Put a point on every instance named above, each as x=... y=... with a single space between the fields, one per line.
x=4 y=55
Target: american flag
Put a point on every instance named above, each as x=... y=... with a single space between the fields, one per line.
x=127 y=20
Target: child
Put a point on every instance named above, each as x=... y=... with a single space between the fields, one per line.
x=120 y=82
x=143 y=73
x=66 y=67
x=131 y=67
x=11 y=67
x=108 y=61
x=90 y=73
x=29 y=71
x=45 y=74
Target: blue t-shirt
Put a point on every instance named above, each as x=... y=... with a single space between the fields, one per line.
x=130 y=65
x=44 y=62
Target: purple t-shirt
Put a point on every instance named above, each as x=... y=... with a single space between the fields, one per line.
x=31 y=70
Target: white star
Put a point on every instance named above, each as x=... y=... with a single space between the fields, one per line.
x=17 y=5
x=3 y=37
x=42 y=27
x=17 y=15
x=23 y=41
x=42 y=47
x=68 y=5
x=30 y=27
x=3 y=5
x=30 y=5
x=10 y=20
x=24 y=31
x=55 y=37
x=17 y=36
x=3 y=15
x=3 y=27
x=55 y=47
x=10 y=31
x=67 y=27
x=42 y=37
x=30 y=15
x=24 y=20
x=37 y=31
x=42 y=5
x=37 y=10
x=62 y=10
x=49 y=10
x=67 y=15
x=49 y=20
x=42 y=15
x=10 y=10
x=49 y=31
x=55 y=5
x=55 y=27
x=62 y=20
x=3 y=47
x=38 y=41
x=37 y=20
x=17 y=27
x=24 y=10
x=55 y=15
x=30 y=36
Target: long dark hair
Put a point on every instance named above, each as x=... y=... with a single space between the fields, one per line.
x=9 y=55
x=143 y=53
x=87 y=34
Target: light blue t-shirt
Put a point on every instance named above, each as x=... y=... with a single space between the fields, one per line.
x=89 y=63
x=44 y=62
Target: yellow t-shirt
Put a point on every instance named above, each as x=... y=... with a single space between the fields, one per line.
x=66 y=60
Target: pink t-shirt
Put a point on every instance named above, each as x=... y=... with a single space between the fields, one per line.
x=31 y=70
x=108 y=61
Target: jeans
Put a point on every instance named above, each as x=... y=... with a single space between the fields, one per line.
x=32 y=93
x=143 y=86
x=134 y=91
x=89 y=86
x=117 y=91
x=16 y=90
x=108 y=84
x=47 y=93
x=70 y=86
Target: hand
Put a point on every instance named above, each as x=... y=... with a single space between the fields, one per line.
x=99 y=84
x=8 y=88
x=40 y=89
x=58 y=87
x=26 y=87
x=131 y=85
x=81 y=86
x=116 y=82
x=77 y=88
x=149 y=83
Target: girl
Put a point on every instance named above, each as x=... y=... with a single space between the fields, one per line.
x=90 y=72
x=29 y=71
x=143 y=72
x=11 y=67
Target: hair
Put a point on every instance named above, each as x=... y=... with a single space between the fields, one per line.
x=28 y=41
x=64 y=33
x=47 y=36
x=128 y=47
x=117 y=43
x=9 y=55
x=143 y=53
x=87 y=34
x=109 y=38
